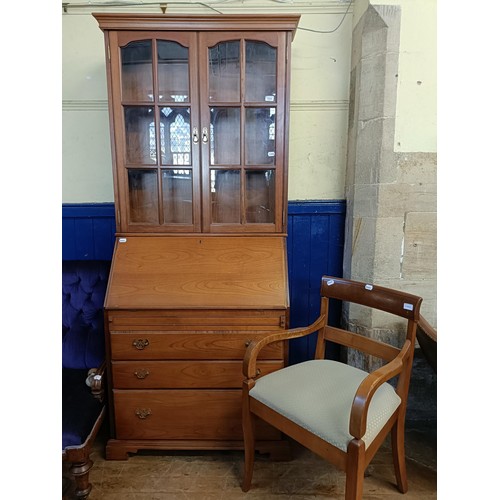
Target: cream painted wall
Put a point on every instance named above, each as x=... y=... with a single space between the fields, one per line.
x=319 y=97
x=416 y=109
x=86 y=155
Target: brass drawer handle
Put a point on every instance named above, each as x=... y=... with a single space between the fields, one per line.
x=140 y=344
x=141 y=374
x=142 y=413
x=247 y=343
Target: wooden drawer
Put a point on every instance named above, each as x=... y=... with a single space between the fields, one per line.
x=197 y=320
x=143 y=345
x=182 y=414
x=183 y=374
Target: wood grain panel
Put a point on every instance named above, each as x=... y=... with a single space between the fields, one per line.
x=186 y=345
x=193 y=320
x=182 y=414
x=161 y=272
x=183 y=374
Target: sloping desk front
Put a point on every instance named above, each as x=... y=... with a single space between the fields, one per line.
x=180 y=312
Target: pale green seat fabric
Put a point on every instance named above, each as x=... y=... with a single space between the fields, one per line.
x=318 y=396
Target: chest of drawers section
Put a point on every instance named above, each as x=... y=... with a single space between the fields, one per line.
x=177 y=375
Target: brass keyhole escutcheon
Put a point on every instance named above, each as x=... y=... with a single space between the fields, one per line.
x=141 y=374
x=143 y=413
x=204 y=135
x=140 y=344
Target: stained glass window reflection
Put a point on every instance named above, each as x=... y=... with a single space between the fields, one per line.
x=175 y=136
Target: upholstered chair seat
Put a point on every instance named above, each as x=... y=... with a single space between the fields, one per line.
x=318 y=396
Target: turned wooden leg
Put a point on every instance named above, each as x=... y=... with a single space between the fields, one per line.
x=80 y=472
x=249 y=442
x=355 y=470
x=398 y=454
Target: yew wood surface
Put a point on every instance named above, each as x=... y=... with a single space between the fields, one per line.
x=196 y=320
x=187 y=345
x=186 y=374
x=160 y=272
x=182 y=22
x=182 y=414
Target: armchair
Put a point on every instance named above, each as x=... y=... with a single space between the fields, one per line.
x=83 y=409
x=339 y=412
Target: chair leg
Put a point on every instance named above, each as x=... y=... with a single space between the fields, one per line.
x=249 y=443
x=398 y=454
x=80 y=472
x=355 y=470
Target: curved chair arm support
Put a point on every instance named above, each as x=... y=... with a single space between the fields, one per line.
x=367 y=388
x=95 y=381
x=252 y=352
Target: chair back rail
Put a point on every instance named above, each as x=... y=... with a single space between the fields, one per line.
x=385 y=299
x=356 y=341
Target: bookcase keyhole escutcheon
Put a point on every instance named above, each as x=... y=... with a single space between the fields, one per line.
x=199 y=114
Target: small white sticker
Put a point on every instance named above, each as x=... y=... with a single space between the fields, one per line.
x=269 y=98
x=122 y=240
x=369 y=287
x=330 y=282
x=408 y=307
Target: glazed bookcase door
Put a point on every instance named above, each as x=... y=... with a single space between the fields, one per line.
x=155 y=110
x=242 y=102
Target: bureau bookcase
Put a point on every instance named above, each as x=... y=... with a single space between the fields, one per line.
x=199 y=125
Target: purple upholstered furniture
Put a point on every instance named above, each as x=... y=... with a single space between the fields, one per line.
x=83 y=409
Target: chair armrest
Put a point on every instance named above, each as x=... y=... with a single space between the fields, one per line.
x=367 y=388
x=252 y=352
x=95 y=381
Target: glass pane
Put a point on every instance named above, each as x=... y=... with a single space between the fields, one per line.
x=260 y=72
x=175 y=136
x=143 y=196
x=224 y=72
x=225 y=191
x=225 y=136
x=137 y=71
x=177 y=192
x=173 y=72
x=140 y=134
x=260 y=196
x=260 y=136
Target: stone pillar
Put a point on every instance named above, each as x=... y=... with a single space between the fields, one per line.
x=391 y=197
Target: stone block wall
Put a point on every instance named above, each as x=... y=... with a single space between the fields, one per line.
x=390 y=196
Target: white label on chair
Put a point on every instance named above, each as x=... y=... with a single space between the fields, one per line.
x=122 y=240
x=408 y=307
x=369 y=287
x=330 y=282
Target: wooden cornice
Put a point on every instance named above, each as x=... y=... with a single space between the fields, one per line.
x=212 y=22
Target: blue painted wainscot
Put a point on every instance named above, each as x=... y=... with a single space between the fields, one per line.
x=88 y=231
x=315 y=246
